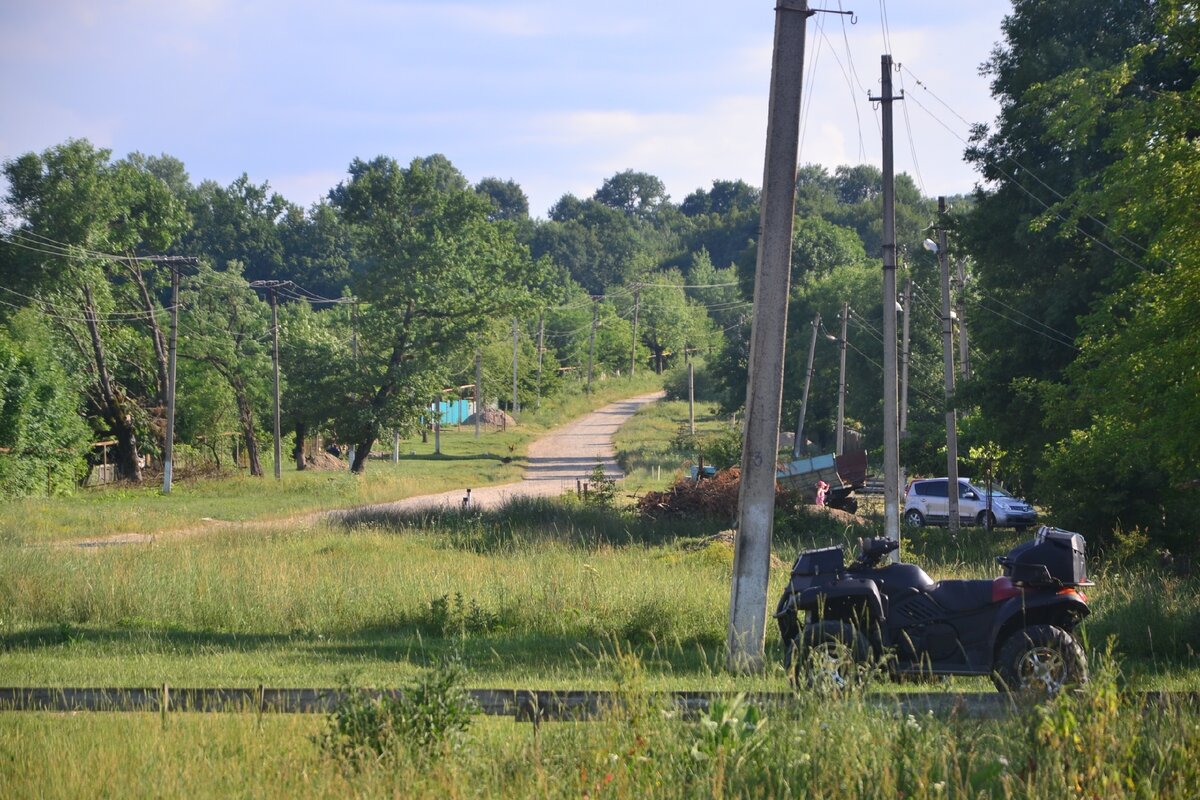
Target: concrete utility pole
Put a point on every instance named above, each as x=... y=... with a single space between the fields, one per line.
x=271 y=287
x=169 y=441
x=841 y=417
x=478 y=390
x=515 y=405
x=948 y=367
x=691 y=398
x=964 y=353
x=540 y=351
x=275 y=356
x=891 y=427
x=637 y=302
x=437 y=425
x=798 y=443
x=592 y=343
x=764 y=392
x=905 y=357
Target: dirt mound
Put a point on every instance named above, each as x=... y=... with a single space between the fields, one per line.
x=714 y=497
x=838 y=516
x=323 y=460
x=492 y=419
x=725 y=540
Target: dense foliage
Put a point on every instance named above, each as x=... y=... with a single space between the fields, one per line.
x=1079 y=253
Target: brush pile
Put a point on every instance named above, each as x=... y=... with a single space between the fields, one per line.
x=710 y=497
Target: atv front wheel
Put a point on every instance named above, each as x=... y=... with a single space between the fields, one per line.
x=832 y=656
x=1042 y=660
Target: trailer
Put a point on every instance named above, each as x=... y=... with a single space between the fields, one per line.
x=844 y=474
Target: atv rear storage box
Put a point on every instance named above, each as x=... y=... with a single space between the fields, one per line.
x=814 y=567
x=1054 y=557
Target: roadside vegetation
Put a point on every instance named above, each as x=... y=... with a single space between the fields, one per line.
x=498 y=456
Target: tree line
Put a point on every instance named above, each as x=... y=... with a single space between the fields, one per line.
x=1078 y=248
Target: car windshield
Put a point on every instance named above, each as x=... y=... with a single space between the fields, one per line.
x=996 y=491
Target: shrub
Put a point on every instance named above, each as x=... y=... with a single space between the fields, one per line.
x=426 y=720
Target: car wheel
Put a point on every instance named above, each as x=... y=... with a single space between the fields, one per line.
x=833 y=657
x=986 y=519
x=914 y=518
x=1040 y=660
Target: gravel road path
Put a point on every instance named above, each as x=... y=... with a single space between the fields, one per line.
x=556 y=461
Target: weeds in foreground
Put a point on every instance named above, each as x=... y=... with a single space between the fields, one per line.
x=426 y=721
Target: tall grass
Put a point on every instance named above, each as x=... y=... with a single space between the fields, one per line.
x=1098 y=744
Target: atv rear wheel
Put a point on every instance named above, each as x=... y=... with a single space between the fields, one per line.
x=832 y=656
x=1041 y=660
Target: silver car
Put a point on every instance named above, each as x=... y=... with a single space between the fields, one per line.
x=926 y=502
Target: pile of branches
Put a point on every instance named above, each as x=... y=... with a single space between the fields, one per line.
x=709 y=497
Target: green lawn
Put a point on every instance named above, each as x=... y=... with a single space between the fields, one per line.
x=545 y=594
x=464 y=461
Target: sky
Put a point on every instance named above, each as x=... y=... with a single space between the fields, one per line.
x=556 y=96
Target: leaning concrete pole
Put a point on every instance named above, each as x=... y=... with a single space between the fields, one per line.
x=891 y=416
x=764 y=392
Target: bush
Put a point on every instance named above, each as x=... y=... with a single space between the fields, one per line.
x=426 y=720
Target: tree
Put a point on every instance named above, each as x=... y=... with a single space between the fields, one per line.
x=508 y=199
x=239 y=222
x=316 y=354
x=317 y=250
x=637 y=194
x=43 y=439
x=1124 y=463
x=1049 y=267
x=436 y=273
x=229 y=333
x=83 y=218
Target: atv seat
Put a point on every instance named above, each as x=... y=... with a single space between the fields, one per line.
x=962 y=595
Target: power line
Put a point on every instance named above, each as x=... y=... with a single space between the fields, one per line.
x=1047 y=206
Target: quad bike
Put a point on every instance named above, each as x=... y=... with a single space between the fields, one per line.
x=839 y=621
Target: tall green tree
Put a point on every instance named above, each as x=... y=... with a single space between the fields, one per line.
x=1051 y=269
x=436 y=272
x=1134 y=386
x=83 y=220
x=228 y=331
x=44 y=441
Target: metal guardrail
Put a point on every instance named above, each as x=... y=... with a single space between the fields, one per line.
x=521 y=704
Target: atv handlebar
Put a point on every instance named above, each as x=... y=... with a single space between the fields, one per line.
x=872 y=551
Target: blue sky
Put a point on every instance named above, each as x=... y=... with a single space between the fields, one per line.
x=554 y=95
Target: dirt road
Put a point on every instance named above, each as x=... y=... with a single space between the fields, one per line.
x=556 y=461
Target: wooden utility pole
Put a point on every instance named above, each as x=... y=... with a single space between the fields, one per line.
x=891 y=418
x=764 y=392
x=592 y=343
x=478 y=390
x=841 y=417
x=948 y=368
x=169 y=439
x=905 y=357
x=637 y=301
x=798 y=443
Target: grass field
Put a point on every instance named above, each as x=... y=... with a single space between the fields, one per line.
x=464 y=461
x=541 y=595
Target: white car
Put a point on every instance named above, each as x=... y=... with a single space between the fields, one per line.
x=926 y=502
